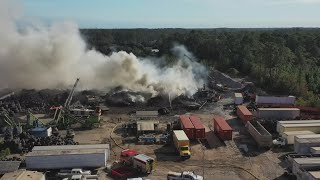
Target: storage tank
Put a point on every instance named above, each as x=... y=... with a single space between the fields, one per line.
x=303 y=143
x=279 y=123
x=278 y=113
x=244 y=114
x=199 y=129
x=238 y=98
x=187 y=126
x=222 y=128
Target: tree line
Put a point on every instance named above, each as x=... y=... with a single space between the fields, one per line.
x=282 y=61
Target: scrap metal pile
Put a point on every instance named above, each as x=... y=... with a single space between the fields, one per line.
x=25 y=142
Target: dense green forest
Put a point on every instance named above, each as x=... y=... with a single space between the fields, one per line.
x=282 y=61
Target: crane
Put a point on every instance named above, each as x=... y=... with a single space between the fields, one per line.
x=66 y=104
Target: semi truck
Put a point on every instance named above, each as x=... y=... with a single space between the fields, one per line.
x=186 y=175
x=181 y=143
x=287 y=138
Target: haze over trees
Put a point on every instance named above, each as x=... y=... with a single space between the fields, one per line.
x=282 y=61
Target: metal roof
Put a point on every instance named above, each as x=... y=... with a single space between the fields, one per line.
x=64 y=152
x=142 y=157
x=146 y=125
x=9 y=166
x=23 y=175
x=70 y=147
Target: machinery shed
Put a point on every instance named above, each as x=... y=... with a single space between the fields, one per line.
x=9 y=166
x=71 y=147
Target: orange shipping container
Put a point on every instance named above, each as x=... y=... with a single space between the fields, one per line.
x=244 y=114
x=187 y=126
x=199 y=130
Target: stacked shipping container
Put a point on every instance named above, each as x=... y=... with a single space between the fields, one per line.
x=222 y=128
x=199 y=130
x=244 y=114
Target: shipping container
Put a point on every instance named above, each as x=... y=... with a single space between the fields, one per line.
x=199 y=129
x=244 y=114
x=275 y=101
x=66 y=159
x=312 y=175
x=303 y=143
x=315 y=150
x=300 y=127
x=279 y=123
x=289 y=136
x=187 y=126
x=238 y=98
x=302 y=164
x=259 y=134
x=277 y=113
x=222 y=128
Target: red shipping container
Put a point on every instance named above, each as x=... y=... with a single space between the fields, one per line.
x=244 y=114
x=187 y=126
x=222 y=128
x=199 y=130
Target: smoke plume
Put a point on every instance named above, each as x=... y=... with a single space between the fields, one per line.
x=41 y=57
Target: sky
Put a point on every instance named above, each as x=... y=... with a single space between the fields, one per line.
x=176 y=13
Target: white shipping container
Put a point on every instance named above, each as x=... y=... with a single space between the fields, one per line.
x=275 y=100
x=238 y=98
x=278 y=113
x=301 y=164
x=314 y=127
x=296 y=122
x=315 y=150
x=312 y=175
x=303 y=145
x=289 y=136
x=66 y=159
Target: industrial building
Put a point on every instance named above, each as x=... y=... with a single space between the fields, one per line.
x=74 y=156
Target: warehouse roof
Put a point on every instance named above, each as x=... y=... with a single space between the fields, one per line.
x=278 y=109
x=9 y=166
x=23 y=175
x=70 y=147
x=69 y=152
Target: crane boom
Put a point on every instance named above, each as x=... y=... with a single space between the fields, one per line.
x=68 y=101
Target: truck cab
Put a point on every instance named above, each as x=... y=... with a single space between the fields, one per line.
x=185 y=152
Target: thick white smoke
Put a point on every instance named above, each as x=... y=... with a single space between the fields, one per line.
x=50 y=57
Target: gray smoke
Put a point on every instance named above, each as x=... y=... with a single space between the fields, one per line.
x=53 y=57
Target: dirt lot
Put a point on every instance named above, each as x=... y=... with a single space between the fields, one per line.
x=213 y=160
